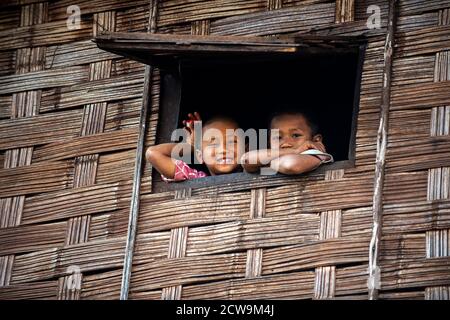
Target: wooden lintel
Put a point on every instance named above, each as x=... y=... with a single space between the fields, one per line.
x=160 y=49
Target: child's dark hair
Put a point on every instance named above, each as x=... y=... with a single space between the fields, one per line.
x=310 y=117
x=220 y=117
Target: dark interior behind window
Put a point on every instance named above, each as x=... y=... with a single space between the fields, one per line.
x=251 y=91
x=252 y=88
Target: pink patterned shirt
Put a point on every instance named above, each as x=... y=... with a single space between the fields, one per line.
x=184 y=172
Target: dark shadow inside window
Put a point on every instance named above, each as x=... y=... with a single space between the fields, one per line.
x=252 y=91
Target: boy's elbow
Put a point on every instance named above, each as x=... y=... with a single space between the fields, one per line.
x=289 y=165
x=293 y=165
x=290 y=169
x=150 y=154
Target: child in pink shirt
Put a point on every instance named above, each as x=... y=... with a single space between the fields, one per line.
x=219 y=154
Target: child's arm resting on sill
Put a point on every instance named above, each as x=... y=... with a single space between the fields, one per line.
x=295 y=163
x=300 y=163
x=252 y=161
x=160 y=158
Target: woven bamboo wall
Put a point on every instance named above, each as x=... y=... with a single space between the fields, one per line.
x=69 y=116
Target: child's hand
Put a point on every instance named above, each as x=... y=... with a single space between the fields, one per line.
x=189 y=125
x=307 y=145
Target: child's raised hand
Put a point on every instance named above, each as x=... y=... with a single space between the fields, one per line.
x=189 y=125
x=307 y=145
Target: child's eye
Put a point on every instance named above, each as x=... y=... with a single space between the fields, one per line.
x=296 y=135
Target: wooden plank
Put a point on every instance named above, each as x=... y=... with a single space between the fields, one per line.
x=122 y=114
x=401 y=217
x=300 y=20
x=296 y=285
x=5 y=106
x=104 y=90
x=89 y=256
x=415 y=274
x=116 y=167
x=71 y=203
x=85 y=145
x=409 y=125
x=13 y=3
x=308 y=197
x=22 y=239
x=417 y=154
x=412 y=70
x=74 y=54
x=58 y=9
x=405 y=187
x=9 y=18
x=40 y=129
x=164 y=50
x=330 y=252
x=133 y=19
x=175 y=12
x=168 y=214
x=352 y=280
x=42 y=79
x=416 y=22
x=405 y=247
x=35 y=178
x=102 y=286
x=7 y=62
x=252 y=234
x=411 y=7
x=423 y=41
x=184 y=271
x=39 y=35
x=45 y=290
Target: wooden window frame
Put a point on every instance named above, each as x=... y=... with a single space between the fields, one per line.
x=166 y=52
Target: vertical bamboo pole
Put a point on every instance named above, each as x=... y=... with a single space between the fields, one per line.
x=134 y=206
x=382 y=136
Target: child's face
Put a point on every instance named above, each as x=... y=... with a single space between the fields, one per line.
x=219 y=151
x=294 y=130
